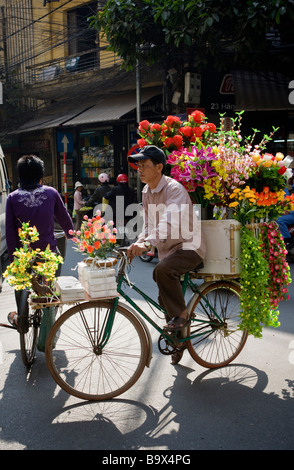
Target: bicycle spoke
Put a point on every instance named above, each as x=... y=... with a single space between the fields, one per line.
x=90 y=360
x=217 y=338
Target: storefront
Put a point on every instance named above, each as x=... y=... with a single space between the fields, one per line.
x=79 y=142
x=96 y=154
x=265 y=98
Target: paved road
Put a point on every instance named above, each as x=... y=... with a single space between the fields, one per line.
x=247 y=405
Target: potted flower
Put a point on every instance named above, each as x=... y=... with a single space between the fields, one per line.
x=33 y=269
x=95 y=239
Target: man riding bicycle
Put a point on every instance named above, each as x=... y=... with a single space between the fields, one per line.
x=172 y=226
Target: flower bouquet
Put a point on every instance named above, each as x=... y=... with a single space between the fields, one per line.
x=172 y=134
x=193 y=168
x=32 y=268
x=96 y=238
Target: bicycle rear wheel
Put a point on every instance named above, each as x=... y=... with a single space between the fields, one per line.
x=91 y=361
x=219 y=340
x=28 y=325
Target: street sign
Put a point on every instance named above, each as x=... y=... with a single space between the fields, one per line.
x=64 y=141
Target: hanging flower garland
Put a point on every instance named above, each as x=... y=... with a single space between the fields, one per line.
x=265 y=277
x=274 y=250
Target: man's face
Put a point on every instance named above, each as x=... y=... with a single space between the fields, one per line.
x=149 y=173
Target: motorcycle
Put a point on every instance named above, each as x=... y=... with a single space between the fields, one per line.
x=149 y=255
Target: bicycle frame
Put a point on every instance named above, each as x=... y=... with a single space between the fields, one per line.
x=171 y=338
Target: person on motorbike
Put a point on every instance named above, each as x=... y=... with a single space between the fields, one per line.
x=100 y=191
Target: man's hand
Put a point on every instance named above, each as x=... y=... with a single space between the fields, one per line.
x=136 y=249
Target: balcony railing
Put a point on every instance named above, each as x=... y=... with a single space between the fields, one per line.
x=93 y=59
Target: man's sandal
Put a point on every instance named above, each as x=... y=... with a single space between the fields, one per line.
x=12 y=319
x=176 y=324
x=177 y=355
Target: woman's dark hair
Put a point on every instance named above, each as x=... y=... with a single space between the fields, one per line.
x=30 y=171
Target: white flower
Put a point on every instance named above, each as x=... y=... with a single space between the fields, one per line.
x=287 y=161
x=267 y=156
x=288 y=173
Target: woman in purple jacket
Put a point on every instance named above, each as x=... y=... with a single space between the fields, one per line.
x=36 y=204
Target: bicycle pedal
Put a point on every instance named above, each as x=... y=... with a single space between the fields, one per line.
x=165 y=347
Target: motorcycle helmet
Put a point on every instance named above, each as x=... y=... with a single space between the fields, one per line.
x=103 y=178
x=122 y=178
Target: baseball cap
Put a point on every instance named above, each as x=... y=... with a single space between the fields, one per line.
x=150 y=151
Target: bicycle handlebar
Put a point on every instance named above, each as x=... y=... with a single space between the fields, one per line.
x=122 y=254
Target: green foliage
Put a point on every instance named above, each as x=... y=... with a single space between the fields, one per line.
x=150 y=29
x=254 y=298
x=265 y=276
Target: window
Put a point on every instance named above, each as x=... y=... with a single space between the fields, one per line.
x=81 y=38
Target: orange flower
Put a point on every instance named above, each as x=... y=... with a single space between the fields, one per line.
x=112 y=239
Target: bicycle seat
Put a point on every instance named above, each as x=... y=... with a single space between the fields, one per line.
x=200 y=266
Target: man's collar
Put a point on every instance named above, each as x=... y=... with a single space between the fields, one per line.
x=160 y=185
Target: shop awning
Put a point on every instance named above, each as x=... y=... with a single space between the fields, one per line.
x=100 y=109
x=112 y=108
x=261 y=91
x=53 y=117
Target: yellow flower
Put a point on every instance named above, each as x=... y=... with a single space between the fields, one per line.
x=267 y=163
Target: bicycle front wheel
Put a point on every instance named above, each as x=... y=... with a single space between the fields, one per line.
x=29 y=322
x=214 y=324
x=93 y=356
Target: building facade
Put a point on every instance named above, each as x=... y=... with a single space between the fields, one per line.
x=67 y=99
x=78 y=109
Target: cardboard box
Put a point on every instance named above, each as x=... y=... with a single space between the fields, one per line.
x=97 y=282
x=69 y=288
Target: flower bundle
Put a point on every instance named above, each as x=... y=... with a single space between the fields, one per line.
x=193 y=169
x=29 y=263
x=172 y=134
x=96 y=238
x=232 y=170
x=269 y=171
x=229 y=160
x=249 y=203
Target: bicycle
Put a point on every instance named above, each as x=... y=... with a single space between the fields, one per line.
x=99 y=348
